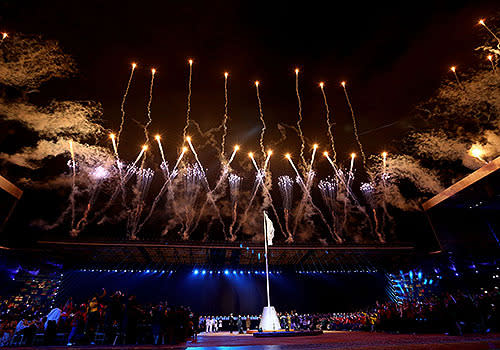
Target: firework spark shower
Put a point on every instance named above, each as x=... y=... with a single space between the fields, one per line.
x=348 y=198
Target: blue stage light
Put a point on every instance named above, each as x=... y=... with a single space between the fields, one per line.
x=196 y=272
x=147 y=271
x=430 y=281
x=234 y=272
x=226 y=272
x=241 y=272
x=211 y=272
x=203 y=272
x=419 y=275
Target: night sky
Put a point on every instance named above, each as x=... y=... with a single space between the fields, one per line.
x=392 y=58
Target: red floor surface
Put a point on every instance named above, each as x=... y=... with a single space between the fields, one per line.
x=333 y=340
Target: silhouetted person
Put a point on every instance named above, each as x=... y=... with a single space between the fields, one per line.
x=231 y=323
x=133 y=315
x=248 y=323
x=239 y=323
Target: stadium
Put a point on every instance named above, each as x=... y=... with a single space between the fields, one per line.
x=199 y=182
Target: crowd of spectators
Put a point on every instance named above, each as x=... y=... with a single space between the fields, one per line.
x=451 y=313
x=119 y=319
x=103 y=319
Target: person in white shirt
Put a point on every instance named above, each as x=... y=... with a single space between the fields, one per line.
x=211 y=325
x=207 y=324
x=51 y=326
x=53 y=315
x=21 y=325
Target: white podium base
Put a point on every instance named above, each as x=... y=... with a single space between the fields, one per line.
x=269 y=320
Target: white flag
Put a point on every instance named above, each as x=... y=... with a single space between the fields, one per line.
x=269 y=229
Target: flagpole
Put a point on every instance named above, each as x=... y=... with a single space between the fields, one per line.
x=267 y=266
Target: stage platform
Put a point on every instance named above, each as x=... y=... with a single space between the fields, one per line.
x=328 y=340
x=283 y=333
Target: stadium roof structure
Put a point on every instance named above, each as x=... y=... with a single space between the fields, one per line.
x=464 y=216
x=78 y=254
x=468 y=188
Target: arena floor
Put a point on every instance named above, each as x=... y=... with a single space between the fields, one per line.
x=350 y=340
x=330 y=340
